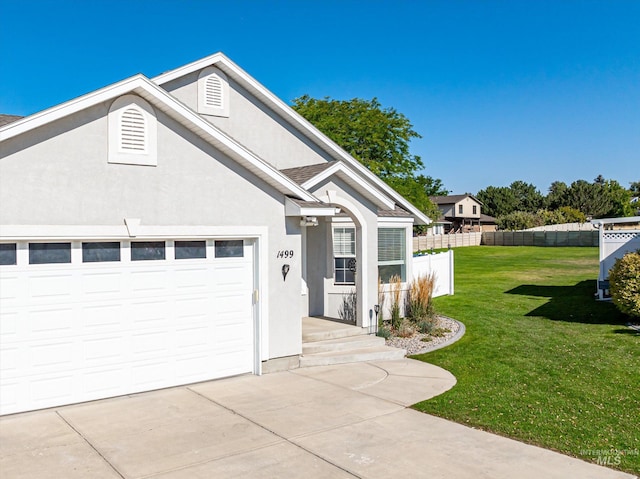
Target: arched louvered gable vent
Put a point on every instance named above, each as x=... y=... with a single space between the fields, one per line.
x=213 y=92
x=132 y=131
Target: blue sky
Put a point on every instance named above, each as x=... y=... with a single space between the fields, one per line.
x=499 y=90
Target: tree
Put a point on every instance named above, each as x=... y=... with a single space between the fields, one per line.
x=379 y=138
x=432 y=186
x=634 y=188
x=557 y=196
x=600 y=199
x=497 y=200
x=589 y=198
x=418 y=189
x=620 y=199
x=571 y=215
x=527 y=196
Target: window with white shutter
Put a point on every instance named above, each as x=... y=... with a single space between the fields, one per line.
x=392 y=244
x=213 y=92
x=133 y=132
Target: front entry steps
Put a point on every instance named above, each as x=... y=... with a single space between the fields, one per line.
x=326 y=342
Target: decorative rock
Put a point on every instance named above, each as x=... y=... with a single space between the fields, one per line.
x=415 y=344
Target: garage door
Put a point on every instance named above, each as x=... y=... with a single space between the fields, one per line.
x=89 y=320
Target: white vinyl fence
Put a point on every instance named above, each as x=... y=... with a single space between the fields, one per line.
x=441 y=265
x=614 y=244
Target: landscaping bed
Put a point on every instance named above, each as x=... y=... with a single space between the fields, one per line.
x=444 y=330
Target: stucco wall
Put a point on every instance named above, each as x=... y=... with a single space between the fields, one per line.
x=269 y=136
x=59 y=174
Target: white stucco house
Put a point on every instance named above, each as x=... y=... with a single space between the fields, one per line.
x=163 y=231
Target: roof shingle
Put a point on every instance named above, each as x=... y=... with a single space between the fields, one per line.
x=6 y=119
x=301 y=174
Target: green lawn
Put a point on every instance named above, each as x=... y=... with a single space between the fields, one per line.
x=541 y=361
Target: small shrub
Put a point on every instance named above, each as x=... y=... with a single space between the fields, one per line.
x=519 y=220
x=384 y=332
x=439 y=332
x=624 y=284
x=426 y=326
x=405 y=329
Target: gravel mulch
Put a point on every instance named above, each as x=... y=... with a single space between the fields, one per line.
x=415 y=344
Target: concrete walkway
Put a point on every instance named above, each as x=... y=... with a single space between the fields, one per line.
x=341 y=421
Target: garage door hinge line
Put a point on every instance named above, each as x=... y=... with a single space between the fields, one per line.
x=278 y=435
x=90 y=445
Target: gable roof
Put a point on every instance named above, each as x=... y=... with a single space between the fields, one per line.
x=159 y=98
x=314 y=174
x=301 y=174
x=451 y=199
x=233 y=71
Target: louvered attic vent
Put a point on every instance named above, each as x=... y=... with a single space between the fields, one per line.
x=132 y=131
x=213 y=92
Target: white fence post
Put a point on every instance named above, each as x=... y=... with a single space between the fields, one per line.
x=450 y=271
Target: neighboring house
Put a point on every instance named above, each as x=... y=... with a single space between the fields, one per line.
x=163 y=231
x=616 y=239
x=463 y=214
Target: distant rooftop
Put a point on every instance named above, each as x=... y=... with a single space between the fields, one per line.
x=450 y=199
x=6 y=119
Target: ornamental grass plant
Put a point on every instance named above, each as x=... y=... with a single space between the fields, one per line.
x=419 y=304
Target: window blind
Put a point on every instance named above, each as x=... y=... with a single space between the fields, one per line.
x=344 y=242
x=391 y=245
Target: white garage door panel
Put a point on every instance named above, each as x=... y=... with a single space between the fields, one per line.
x=101 y=285
x=45 y=287
x=78 y=332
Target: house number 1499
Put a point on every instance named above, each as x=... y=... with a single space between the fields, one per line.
x=286 y=253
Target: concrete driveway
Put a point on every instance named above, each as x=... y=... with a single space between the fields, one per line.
x=340 y=421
